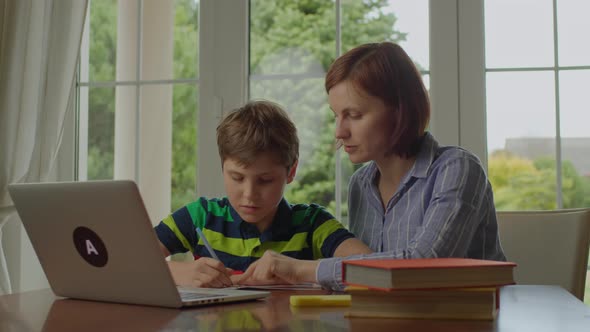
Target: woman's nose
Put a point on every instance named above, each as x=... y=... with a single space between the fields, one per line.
x=341 y=130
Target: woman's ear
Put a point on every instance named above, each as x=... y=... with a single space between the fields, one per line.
x=292 y=171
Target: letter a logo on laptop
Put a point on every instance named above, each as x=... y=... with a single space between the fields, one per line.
x=114 y=255
x=90 y=247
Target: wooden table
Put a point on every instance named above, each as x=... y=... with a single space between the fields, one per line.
x=523 y=308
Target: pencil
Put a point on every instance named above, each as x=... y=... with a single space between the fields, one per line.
x=206 y=243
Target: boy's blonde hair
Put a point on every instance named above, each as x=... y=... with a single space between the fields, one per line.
x=257 y=127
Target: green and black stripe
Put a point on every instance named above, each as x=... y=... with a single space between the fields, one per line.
x=300 y=231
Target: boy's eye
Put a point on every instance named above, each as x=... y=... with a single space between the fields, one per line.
x=237 y=178
x=266 y=180
x=355 y=115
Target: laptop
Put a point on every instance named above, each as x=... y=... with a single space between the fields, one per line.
x=95 y=241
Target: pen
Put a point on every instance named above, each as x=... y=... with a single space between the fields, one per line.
x=210 y=249
x=206 y=243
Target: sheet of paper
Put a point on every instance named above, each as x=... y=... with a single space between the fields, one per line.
x=305 y=286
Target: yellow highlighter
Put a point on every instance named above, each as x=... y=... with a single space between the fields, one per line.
x=320 y=300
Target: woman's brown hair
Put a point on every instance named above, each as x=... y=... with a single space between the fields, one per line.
x=385 y=71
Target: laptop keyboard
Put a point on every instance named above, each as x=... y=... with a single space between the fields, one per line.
x=192 y=296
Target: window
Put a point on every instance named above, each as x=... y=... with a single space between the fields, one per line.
x=138 y=79
x=539 y=158
x=537 y=76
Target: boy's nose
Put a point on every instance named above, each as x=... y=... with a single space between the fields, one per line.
x=249 y=190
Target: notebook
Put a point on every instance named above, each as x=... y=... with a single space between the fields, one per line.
x=95 y=241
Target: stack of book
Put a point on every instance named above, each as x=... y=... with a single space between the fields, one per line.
x=429 y=288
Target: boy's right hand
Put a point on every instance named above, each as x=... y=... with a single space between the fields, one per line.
x=203 y=272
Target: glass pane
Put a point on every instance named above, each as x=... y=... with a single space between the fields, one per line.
x=291 y=37
x=186 y=39
x=521 y=139
x=306 y=103
x=184 y=145
x=412 y=25
x=518 y=33
x=575 y=138
x=101 y=132
x=573 y=26
x=103 y=40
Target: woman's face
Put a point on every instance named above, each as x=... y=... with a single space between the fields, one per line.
x=363 y=123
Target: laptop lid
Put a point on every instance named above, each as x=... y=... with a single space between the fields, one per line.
x=95 y=241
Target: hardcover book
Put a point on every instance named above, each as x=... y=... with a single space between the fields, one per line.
x=454 y=303
x=427 y=273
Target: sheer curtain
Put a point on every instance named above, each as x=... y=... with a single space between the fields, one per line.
x=39 y=46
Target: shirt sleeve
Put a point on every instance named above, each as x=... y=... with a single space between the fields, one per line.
x=177 y=231
x=327 y=234
x=450 y=221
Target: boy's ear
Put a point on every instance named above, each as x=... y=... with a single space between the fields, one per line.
x=292 y=172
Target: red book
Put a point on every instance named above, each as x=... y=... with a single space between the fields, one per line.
x=424 y=273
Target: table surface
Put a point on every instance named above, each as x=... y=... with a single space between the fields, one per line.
x=523 y=308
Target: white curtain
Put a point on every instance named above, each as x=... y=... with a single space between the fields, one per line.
x=39 y=46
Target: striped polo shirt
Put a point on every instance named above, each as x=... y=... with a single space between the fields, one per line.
x=300 y=231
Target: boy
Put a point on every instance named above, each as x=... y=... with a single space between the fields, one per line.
x=259 y=151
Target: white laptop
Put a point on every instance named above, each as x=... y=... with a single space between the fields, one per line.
x=95 y=242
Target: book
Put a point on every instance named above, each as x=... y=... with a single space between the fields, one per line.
x=456 y=303
x=422 y=273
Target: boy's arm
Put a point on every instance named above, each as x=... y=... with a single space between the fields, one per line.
x=164 y=249
x=176 y=232
x=331 y=239
x=350 y=247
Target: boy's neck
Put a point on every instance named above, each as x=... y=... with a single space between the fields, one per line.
x=263 y=225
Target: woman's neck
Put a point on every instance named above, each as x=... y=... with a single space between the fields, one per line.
x=392 y=170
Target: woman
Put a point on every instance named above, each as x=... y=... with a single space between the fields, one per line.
x=412 y=198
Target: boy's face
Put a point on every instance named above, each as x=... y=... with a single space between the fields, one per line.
x=255 y=191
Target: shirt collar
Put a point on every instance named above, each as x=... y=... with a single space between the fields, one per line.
x=424 y=159
x=280 y=223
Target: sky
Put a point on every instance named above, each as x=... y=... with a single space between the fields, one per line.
x=519 y=33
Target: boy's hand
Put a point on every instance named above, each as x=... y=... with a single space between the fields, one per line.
x=274 y=268
x=203 y=272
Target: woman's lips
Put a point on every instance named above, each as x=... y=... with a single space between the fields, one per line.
x=349 y=148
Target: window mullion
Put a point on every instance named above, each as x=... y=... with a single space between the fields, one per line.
x=223 y=73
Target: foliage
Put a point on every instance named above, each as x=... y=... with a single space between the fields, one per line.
x=101 y=101
x=102 y=67
x=522 y=184
x=299 y=38
x=185 y=104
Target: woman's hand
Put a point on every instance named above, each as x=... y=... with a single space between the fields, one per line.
x=203 y=272
x=274 y=268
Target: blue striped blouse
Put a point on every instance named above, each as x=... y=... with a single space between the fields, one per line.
x=444 y=207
